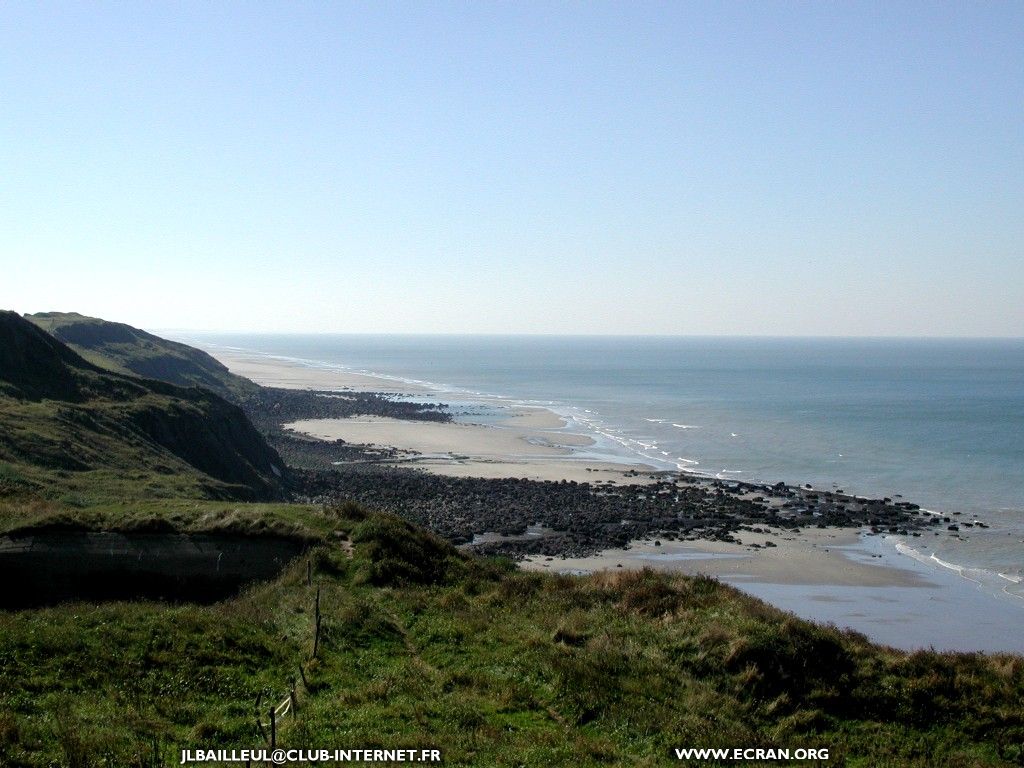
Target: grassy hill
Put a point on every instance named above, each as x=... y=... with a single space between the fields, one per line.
x=70 y=428
x=122 y=348
x=422 y=646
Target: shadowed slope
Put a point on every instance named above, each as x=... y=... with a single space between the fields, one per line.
x=122 y=348
x=60 y=413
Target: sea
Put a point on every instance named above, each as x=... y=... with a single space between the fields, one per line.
x=937 y=422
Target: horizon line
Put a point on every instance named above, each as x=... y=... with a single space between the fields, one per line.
x=485 y=334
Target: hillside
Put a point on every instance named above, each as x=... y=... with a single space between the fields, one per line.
x=124 y=349
x=69 y=427
x=425 y=647
x=422 y=645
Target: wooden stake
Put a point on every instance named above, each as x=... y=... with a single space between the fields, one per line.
x=259 y=723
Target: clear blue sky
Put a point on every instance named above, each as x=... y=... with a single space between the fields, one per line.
x=733 y=168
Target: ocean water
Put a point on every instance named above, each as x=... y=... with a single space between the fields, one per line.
x=938 y=422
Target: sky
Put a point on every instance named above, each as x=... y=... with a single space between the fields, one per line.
x=487 y=167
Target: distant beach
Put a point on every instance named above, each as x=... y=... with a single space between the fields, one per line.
x=824 y=574
x=527 y=441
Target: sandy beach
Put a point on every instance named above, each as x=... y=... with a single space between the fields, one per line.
x=810 y=557
x=531 y=442
x=516 y=447
x=289 y=374
x=833 y=575
x=428 y=437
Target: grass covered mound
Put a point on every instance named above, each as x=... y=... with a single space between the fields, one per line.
x=422 y=646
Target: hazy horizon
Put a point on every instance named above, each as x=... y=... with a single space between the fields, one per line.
x=455 y=334
x=707 y=169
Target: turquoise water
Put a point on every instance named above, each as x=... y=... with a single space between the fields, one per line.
x=940 y=422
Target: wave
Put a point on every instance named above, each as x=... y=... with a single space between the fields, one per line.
x=980 y=576
x=686 y=426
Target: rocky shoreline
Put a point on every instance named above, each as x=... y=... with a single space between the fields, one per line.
x=271 y=407
x=518 y=517
x=574 y=519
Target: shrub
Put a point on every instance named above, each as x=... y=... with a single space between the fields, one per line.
x=395 y=552
x=795 y=658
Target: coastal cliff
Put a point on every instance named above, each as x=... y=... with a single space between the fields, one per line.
x=125 y=349
x=66 y=423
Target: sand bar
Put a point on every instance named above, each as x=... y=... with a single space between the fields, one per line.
x=816 y=556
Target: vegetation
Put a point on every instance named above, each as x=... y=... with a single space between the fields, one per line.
x=124 y=349
x=23 y=515
x=421 y=645
x=73 y=431
x=425 y=647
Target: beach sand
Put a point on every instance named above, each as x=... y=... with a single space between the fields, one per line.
x=288 y=374
x=532 y=442
x=431 y=437
x=828 y=575
x=813 y=556
x=524 y=445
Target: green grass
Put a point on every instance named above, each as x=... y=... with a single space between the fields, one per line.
x=96 y=452
x=424 y=647
x=74 y=432
x=127 y=350
x=300 y=521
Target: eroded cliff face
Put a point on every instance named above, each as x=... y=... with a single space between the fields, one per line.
x=216 y=438
x=59 y=411
x=46 y=568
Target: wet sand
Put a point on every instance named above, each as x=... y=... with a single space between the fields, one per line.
x=839 y=577
x=810 y=557
x=531 y=443
x=827 y=575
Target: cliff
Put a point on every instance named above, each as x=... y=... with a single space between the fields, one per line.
x=68 y=423
x=124 y=349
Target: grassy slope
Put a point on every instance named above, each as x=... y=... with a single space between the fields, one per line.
x=125 y=349
x=72 y=430
x=424 y=647
x=20 y=515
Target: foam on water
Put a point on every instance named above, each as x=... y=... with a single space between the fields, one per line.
x=986 y=580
